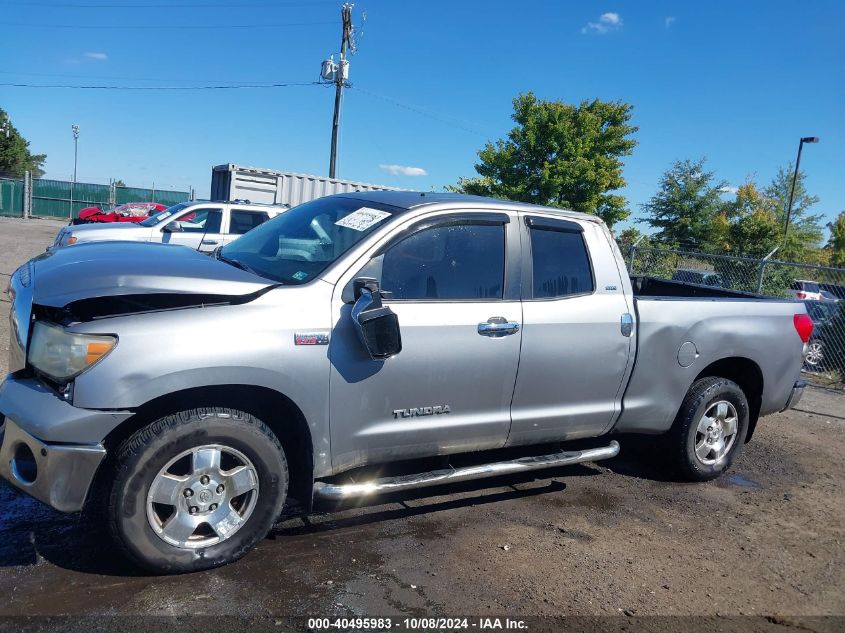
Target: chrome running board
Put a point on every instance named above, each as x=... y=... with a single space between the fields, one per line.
x=336 y=492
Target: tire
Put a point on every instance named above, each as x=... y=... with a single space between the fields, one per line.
x=693 y=442
x=237 y=474
x=814 y=359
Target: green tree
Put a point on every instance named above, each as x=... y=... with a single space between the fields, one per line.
x=559 y=155
x=805 y=233
x=746 y=226
x=837 y=241
x=119 y=183
x=15 y=157
x=685 y=205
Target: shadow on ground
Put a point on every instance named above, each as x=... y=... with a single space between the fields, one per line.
x=30 y=531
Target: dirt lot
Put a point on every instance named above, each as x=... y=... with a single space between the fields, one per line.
x=596 y=539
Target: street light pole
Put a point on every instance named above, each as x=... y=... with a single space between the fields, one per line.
x=806 y=139
x=75 y=129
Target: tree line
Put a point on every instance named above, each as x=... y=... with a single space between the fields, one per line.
x=15 y=157
x=570 y=156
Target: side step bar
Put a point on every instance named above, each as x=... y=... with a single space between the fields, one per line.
x=336 y=492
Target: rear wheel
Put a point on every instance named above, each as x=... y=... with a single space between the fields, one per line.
x=709 y=430
x=197 y=489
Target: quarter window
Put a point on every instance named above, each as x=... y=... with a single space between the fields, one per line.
x=463 y=262
x=560 y=263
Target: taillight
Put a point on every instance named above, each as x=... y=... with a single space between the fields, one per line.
x=800 y=295
x=803 y=325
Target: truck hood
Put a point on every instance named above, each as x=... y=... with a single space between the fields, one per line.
x=112 y=269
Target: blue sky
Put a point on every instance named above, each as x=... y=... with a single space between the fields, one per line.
x=737 y=82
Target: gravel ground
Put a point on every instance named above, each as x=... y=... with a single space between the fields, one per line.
x=601 y=539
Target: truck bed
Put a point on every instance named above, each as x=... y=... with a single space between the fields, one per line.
x=675 y=318
x=645 y=286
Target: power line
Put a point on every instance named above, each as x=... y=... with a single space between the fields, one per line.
x=217 y=87
x=170 y=5
x=160 y=27
x=123 y=77
x=432 y=115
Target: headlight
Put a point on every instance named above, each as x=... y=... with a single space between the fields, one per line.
x=63 y=355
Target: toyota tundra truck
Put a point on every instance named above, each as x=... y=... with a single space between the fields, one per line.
x=192 y=398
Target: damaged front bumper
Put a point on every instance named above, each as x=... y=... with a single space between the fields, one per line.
x=58 y=472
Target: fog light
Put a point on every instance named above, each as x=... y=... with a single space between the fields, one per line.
x=23 y=464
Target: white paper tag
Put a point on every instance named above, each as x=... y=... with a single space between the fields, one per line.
x=362 y=219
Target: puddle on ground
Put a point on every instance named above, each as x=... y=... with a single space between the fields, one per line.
x=738 y=480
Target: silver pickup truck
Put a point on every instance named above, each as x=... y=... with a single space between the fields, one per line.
x=191 y=398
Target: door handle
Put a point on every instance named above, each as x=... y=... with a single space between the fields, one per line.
x=496 y=327
x=210 y=242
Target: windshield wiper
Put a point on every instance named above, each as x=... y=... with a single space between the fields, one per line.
x=234 y=262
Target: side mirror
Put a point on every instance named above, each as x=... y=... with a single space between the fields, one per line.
x=172 y=227
x=376 y=324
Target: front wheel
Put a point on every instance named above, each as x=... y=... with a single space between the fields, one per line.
x=196 y=490
x=709 y=430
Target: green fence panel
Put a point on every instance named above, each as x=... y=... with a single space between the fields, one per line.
x=11 y=198
x=139 y=194
x=51 y=198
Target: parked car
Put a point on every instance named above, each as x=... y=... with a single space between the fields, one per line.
x=837 y=290
x=200 y=225
x=129 y=212
x=191 y=398
x=806 y=290
x=822 y=313
x=700 y=277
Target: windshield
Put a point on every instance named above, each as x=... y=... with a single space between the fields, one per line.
x=299 y=244
x=163 y=215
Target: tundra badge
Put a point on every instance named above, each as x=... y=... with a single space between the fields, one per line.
x=420 y=411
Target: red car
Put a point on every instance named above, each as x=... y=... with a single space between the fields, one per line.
x=129 y=212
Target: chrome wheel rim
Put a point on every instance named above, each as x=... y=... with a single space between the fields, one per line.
x=716 y=432
x=814 y=355
x=202 y=497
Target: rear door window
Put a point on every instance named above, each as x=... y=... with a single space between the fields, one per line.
x=242 y=220
x=560 y=263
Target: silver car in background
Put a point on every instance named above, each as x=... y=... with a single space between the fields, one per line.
x=200 y=225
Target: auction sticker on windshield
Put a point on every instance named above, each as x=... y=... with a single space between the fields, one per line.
x=362 y=219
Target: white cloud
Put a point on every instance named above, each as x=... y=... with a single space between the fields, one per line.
x=608 y=22
x=403 y=170
x=669 y=21
x=729 y=189
x=98 y=56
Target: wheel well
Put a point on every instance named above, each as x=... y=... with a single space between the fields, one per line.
x=747 y=374
x=277 y=411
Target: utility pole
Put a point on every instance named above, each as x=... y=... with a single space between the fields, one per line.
x=340 y=75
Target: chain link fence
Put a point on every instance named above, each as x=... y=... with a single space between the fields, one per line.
x=820 y=288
